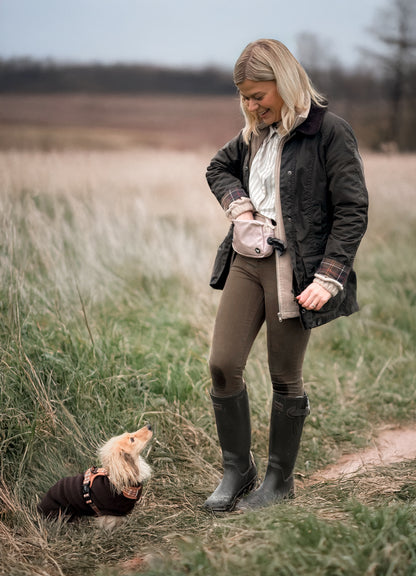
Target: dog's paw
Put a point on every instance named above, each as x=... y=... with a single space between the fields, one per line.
x=108 y=523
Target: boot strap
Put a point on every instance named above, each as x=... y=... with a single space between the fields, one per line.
x=293 y=411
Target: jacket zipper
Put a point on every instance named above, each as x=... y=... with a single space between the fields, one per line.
x=277 y=187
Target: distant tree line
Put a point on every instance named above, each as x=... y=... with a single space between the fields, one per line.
x=360 y=95
x=29 y=76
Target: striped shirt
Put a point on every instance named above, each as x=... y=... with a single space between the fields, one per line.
x=262 y=182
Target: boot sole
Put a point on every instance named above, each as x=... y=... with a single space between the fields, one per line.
x=265 y=502
x=247 y=488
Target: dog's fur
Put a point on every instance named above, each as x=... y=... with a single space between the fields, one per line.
x=125 y=467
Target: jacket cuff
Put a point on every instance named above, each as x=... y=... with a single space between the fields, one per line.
x=239 y=207
x=231 y=196
x=333 y=270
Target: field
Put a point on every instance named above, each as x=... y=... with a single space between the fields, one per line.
x=108 y=234
x=105 y=122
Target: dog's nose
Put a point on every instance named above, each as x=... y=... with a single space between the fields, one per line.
x=149 y=427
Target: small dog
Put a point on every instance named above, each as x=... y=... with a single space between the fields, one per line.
x=108 y=493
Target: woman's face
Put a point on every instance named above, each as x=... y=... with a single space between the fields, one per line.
x=262 y=99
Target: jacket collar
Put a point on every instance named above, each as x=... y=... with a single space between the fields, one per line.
x=309 y=126
x=313 y=122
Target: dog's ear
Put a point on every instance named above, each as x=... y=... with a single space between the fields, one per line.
x=128 y=457
x=130 y=461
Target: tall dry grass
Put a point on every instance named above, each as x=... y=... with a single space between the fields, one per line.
x=123 y=205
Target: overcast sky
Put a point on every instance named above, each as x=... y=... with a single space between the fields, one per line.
x=178 y=32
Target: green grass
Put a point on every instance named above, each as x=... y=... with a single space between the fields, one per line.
x=105 y=323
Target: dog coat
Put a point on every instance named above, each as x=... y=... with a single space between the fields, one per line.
x=89 y=494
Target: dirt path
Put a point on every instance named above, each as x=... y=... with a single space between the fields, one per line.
x=390 y=446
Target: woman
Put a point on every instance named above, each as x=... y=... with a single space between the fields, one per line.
x=292 y=184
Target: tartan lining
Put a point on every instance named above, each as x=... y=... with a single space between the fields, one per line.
x=335 y=270
x=231 y=196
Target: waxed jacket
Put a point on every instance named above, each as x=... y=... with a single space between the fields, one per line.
x=324 y=204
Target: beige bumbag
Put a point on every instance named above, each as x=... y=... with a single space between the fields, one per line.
x=250 y=238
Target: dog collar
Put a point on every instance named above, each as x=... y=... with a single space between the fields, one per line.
x=133 y=492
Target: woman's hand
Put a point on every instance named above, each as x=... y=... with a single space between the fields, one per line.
x=313 y=297
x=246 y=216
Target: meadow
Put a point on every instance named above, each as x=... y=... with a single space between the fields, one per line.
x=105 y=324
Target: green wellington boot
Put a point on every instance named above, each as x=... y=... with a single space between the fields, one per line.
x=232 y=417
x=286 y=425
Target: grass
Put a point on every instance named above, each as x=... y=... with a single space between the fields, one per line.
x=105 y=323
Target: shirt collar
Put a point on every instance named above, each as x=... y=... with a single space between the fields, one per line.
x=273 y=131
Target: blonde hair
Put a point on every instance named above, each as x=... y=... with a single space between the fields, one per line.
x=269 y=60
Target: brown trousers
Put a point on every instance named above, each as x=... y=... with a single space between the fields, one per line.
x=248 y=300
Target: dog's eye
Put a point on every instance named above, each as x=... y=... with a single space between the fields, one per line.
x=132 y=439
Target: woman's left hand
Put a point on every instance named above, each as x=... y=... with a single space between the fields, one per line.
x=313 y=297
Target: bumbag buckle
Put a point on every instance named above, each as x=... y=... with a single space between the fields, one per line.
x=277 y=244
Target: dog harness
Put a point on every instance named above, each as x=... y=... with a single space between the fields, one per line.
x=131 y=492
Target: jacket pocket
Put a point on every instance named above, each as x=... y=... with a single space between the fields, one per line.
x=334 y=302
